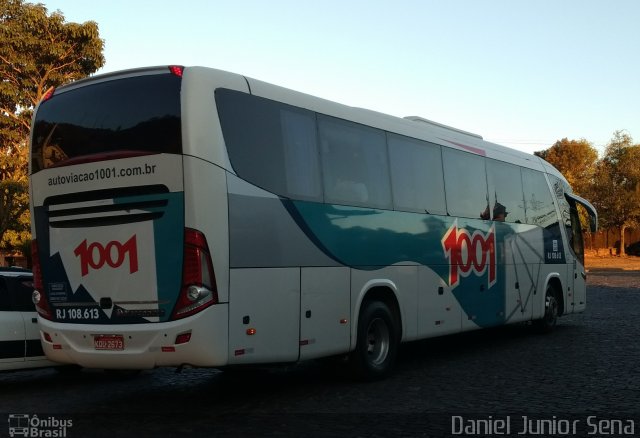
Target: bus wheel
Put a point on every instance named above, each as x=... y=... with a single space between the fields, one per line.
x=550 y=318
x=377 y=342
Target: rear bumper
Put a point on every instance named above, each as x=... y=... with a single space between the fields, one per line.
x=145 y=345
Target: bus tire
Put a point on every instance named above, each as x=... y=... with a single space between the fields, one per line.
x=377 y=342
x=551 y=308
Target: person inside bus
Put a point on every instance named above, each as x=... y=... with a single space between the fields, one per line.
x=485 y=214
x=499 y=212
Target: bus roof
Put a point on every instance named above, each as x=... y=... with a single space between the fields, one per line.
x=412 y=126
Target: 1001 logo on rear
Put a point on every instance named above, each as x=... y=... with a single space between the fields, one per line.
x=113 y=254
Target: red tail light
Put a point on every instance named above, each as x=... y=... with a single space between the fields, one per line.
x=39 y=298
x=198 y=289
x=176 y=70
x=48 y=94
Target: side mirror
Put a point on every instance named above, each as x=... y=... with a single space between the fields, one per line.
x=593 y=214
x=593 y=222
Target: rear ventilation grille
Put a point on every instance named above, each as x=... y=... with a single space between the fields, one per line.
x=107 y=207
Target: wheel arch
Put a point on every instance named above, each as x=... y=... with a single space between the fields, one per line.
x=384 y=291
x=554 y=281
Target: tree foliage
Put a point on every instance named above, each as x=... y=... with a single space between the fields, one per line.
x=617 y=182
x=611 y=183
x=576 y=160
x=38 y=51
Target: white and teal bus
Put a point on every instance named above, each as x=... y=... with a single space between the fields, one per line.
x=186 y=216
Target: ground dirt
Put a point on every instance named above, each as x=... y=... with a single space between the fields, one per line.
x=602 y=260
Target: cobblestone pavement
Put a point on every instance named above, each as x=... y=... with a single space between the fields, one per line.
x=587 y=371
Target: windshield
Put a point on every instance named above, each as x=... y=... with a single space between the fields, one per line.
x=122 y=117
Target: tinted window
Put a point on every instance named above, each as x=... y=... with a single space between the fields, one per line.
x=16 y=293
x=465 y=184
x=416 y=175
x=271 y=145
x=354 y=163
x=574 y=231
x=20 y=292
x=539 y=205
x=505 y=192
x=141 y=113
x=4 y=296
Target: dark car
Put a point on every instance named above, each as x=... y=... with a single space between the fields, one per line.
x=19 y=333
x=633 y=249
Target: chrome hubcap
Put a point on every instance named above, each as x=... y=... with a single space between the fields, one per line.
x=551 y=308
x=378 y=340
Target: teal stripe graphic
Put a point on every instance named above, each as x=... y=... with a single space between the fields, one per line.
x=364 y=238
x=168 y=232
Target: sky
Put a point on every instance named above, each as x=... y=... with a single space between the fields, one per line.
x=522 y=73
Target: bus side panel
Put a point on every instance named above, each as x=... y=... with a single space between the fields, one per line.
x=264 y=315
x=579 y=289
x=206 y=211
x=263 y=232
x=324 y=312
x=566 y=273
x=520 y=291
x=522 y=255
x=439 y=312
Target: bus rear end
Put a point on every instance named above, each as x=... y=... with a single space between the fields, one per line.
x=121 y=281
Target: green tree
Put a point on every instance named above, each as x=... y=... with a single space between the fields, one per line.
x=38 y=51
x=576 y=160
x=617 y=194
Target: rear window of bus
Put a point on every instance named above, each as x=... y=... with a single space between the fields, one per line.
x=139 y=114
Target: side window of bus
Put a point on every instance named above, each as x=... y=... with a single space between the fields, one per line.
x=505 y=192
x=416 y=175
x=570 y=216
x=558 y=189
x=465 y=180
x=301 y=158
x=270 y=144
x=354 y=164
x=574 y=231
x=539 y=207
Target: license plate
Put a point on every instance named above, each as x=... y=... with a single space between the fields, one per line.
x=108 y=342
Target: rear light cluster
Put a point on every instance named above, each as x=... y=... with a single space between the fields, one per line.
x=42 y=306
x=48 y=94
x=198 y=289
x=177 y=70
